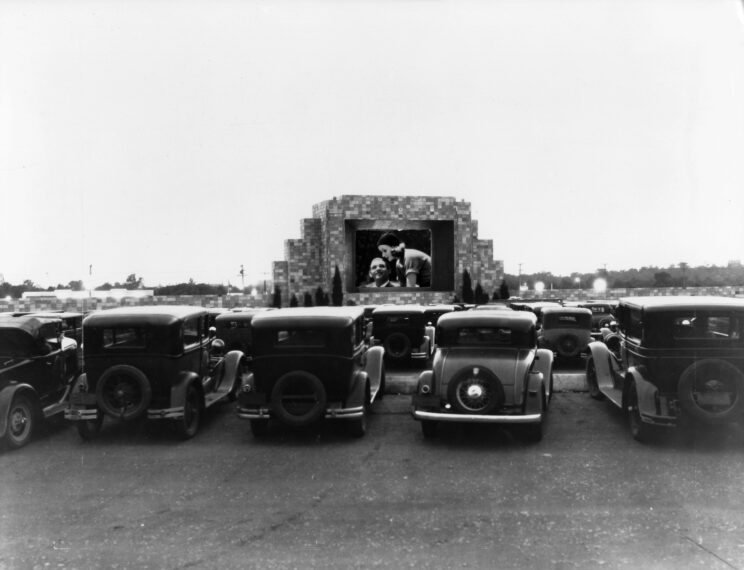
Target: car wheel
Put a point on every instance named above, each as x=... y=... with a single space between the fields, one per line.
x=259 y=428
x=640 y=430
x=429 y=428
x=397 y=346
x=188 y=425
x=712 y=391
x=123 y=392
x=475 y=390
x=89 y=429
x=591 y=379
x=21 y=422
x=298 y=398
x=568 y=345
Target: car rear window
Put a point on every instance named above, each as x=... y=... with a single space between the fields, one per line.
x=489 y=336
x=311 y=338
x=131 y=339
x=567 y=321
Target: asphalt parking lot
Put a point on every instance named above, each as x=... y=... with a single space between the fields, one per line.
x=587 y=496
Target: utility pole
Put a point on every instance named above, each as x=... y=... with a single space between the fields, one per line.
x=242 y=276
x=519 y=278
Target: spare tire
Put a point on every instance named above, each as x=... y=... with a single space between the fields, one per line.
x=398 y=346
x=475 y=390
x=123 y=392
x=712 y=391
x=298 y=398
x=568 y=345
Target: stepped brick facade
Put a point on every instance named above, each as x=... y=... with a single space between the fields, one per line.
x=310 y=261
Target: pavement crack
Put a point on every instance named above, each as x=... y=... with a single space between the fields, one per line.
x=713 y=554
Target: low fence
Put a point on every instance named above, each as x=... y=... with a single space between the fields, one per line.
x=233 y=301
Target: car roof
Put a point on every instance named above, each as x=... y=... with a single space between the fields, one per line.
x=518 y=320
x=160 y=315
x=242 y=315
x=304 y=316
x=566 y=311
x=671 y=303
x=418 y=309
x=30 y=324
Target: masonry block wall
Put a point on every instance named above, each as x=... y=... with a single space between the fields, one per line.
x=310 y=261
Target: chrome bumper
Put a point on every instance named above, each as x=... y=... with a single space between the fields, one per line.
x=330 y=413
x=165 y=414
x=81 y=414
x=476 y=418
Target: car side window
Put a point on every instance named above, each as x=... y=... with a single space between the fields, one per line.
x=191 y=332
x=633 y=325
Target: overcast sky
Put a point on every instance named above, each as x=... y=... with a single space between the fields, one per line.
x=179 y=140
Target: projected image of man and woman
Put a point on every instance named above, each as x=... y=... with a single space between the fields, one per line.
x=394 y=258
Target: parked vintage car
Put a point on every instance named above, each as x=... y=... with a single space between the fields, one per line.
x=603 y=312
x=567 y=331
x=680 y=360
x=234 y=329
x=158 y=362
x=310 y=364
x=487 y=368
x=38 y=364
x=433 y=312
x=403 y=332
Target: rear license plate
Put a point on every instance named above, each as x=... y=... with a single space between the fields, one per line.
x=714 y=399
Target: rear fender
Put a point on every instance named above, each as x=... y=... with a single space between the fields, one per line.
x=601 y=355
x=430 y=332
x=231 y=364
x=647 y=392
x=373 y=366
x=6 y=397
x=358 y=390
x=535 y=395
x=426 y=378
x=178 y=390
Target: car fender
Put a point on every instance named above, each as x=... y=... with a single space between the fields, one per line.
x=358 y=389
x=178 y=390
x=533 y=403
x=373 y=366
x=231 y=364
x=426 y=378
x=6 y=397
x=601 y=356
x=544 y=362
x=430 y=331
x=644 y=388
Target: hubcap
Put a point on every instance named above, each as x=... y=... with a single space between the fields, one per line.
x=18 y=421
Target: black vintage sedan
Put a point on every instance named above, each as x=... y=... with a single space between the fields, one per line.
x=38 y=364
x=310 y=364
x=155 y=362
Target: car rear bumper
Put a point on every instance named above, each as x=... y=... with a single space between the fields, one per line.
x=476 y=418
x=331 y=413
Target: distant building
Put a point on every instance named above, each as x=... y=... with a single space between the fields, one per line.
x=343 y=231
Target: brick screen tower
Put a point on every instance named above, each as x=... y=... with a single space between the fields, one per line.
x=330 y=239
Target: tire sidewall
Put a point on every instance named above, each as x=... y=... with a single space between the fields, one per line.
x=489 y=379
x=404 y=340
x=23 y=402
x=142 y=383
x=704 y=368
x=311 y=416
